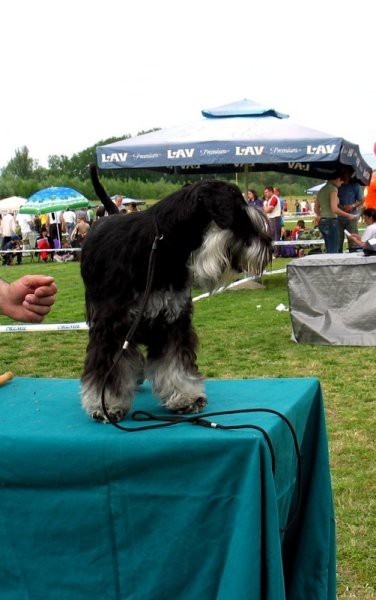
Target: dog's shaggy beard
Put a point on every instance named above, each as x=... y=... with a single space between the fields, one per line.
x=213 y=263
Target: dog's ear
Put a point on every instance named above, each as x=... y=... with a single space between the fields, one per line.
x=220 y=200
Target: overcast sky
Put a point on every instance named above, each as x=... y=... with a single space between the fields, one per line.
x=74 y=72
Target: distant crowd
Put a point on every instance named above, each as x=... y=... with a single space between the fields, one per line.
x=57 y=235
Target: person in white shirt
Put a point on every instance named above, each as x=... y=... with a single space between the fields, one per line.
x=25 y=222
x=369 y=216
x=273 y=211
x=8 y=226
x=70 y=221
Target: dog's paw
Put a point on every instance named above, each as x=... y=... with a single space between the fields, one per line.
x=115 y=414
x=185 y=405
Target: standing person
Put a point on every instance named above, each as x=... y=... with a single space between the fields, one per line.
x=37 y=224
x=26 y=223
x=90 y=216
x=370 y=193
x=44 y=221
x=8 y=225
x=56 y=225
x=273 y=211
x=70 y=221
x=79 y=232
x=328 y=210
x=350 y=196
x=277 y=192
x=254 y=200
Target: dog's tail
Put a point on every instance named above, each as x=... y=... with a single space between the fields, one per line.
x=110 y=206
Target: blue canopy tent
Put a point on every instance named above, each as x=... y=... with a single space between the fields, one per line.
x=242 y=136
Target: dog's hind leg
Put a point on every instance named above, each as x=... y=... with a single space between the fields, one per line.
x=171 y=367
x=120 y=379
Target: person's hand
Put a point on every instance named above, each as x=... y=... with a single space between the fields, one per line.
x=28 y=299
x=355 y=237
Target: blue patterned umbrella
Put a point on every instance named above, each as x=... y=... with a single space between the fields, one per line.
x=53 y=199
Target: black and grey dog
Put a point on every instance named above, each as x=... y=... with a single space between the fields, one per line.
x=137 y=269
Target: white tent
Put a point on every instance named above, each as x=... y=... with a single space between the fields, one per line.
x=11 y=203
x=316 y=188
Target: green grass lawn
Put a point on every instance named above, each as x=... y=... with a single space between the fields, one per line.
x=242 y=335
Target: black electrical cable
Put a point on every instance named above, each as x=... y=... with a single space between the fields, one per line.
x=202 y=419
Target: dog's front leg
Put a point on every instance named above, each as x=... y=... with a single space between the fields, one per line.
x=118 y=379
x=171 y=367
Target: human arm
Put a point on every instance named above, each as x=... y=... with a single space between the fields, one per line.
x=316 y=208
x=27 y=299
x=74 y=232
x=356 y=239
x=357 y=196
x=350 y=207
x=337 y=210
x=63 y=223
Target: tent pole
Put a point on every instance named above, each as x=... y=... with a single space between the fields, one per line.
x=246 y=172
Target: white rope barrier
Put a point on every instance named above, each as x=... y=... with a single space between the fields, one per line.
x=316 y=242
x=27 y=251
x=82 y=326
x=44 y=327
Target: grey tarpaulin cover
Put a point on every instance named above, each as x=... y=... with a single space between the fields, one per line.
x=333 y=299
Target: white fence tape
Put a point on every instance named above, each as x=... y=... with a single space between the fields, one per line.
x=82 y=326
x=44 y=327
x=27 y=251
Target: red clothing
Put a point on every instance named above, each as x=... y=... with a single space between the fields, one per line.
x=295 y=233
x=370 y=198
x=43 y=243
x=273 y=201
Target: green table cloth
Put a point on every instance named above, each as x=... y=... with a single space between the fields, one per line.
x=178 y=513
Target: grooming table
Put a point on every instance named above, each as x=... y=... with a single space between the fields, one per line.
x=183 y=512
